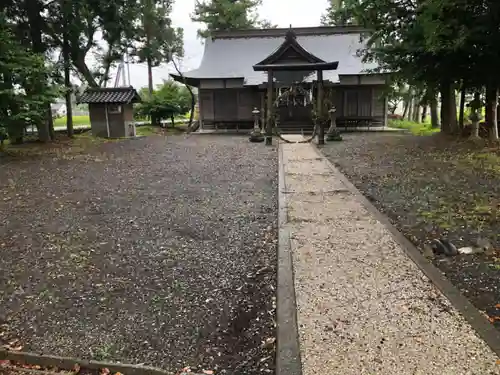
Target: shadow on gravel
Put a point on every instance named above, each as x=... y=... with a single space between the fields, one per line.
x=434 y=187
x=154 y=251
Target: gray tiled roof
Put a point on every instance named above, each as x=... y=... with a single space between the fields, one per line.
x=234 y=57
x=116 y=95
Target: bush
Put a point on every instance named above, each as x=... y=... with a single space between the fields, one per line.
x=414 y=127
x=3 y=134
x=168 y=101
x=484 y=130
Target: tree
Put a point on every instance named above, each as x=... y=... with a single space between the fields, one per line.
x=266 y=24
x=396 y=94
x=67 y=21
x=470 y=30
x=168 y=101
x=434 y=45
x=23 y=93
x=398 y=42
x=191 y=94
x=339 y=13
x=224 y=15
x=107 y=29
x=157 y=40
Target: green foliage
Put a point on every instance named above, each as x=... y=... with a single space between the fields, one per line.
x=414 y=127
x=77 y=120
x=169 y=100
x=3 y=135
x=429 y=42
x=431 y=45
x=224 y=15
x=396 y=94
x=339 y=13
x=468 y=30
x=39 y=30
x=24 y=94
x=265 y=24
x=157 y=39
x=105 y=29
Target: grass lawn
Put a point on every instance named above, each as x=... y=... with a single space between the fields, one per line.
x=85 y=120
x=414 y=127
x=146 y=130
x=77 y=120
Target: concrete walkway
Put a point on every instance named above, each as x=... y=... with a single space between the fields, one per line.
x=363 y=306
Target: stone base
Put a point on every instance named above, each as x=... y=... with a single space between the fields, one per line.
x=256 y=137
x=334 y=136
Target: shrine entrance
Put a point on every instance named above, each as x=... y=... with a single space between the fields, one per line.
x=298 y=96
x=294 y=106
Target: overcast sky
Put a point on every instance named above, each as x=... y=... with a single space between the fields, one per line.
x=280 y=12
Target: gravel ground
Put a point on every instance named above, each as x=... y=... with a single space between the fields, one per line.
x=364 y=307
x=433 y=187
x=155 y=251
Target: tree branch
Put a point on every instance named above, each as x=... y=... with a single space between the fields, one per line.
x=191 y=128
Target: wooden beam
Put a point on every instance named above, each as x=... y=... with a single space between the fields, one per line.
x=301 y=66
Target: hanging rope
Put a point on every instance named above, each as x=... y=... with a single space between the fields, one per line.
x=286 y=95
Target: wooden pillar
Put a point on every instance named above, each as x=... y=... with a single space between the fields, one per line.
x=262 y=96
x=321 y=133
x=200 y=111
x=269 y=124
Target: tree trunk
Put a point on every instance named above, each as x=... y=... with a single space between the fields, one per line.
x=448 y=108
x=43 y=131
x=405 y=110
x=461 y=116
x=33 y=11
x=453 y=110
x=498 y=117
x=81 y=66
x=423 y=119
x=410 y=108
x=154 y=119
x=67 y=67
x=172 y=118
x=149 y=62
x=417 y=111
x=50 y=123
x=445 y=112
x=434 y=111
x=392 y=108
x=14 y=127
x=491 y=110
x=193 y=98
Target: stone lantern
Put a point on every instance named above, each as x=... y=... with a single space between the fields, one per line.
x=475 y=117
x=333 y=133
x=256 y=134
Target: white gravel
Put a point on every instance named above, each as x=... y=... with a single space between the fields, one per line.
x=363 y=306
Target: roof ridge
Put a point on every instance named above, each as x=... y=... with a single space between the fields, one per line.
x=114 y=95
x=281 y=32
x=111 y=89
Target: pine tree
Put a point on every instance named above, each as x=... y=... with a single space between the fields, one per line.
x=224 y=15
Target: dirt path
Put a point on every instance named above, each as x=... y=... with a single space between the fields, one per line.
x=156 y=251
